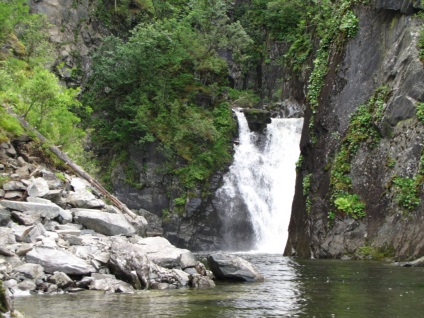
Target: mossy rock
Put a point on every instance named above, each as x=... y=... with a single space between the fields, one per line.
x=257 y=119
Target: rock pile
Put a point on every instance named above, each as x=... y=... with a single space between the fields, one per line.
x=57 y=235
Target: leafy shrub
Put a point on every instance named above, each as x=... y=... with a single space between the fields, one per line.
x=407 y=194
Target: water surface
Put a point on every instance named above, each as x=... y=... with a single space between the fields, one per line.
x=293 y=288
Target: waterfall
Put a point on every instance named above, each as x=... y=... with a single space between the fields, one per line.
x=258 y=189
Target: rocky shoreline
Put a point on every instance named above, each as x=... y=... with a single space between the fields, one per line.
x=57 y=235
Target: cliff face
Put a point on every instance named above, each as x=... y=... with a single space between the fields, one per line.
x=385 y=170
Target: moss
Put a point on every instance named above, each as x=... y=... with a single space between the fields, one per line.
x=4 y=305
x=375 y=253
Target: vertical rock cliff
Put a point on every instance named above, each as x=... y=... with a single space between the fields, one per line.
x=359 y=186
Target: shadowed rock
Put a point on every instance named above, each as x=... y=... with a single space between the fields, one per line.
x=231 y=267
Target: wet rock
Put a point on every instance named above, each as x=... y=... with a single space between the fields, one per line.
x=60 y=279
x=56 y=260
x=38 y=188
x=231 y=267
x=103 y=222
x=200 y=282
x=110 y=284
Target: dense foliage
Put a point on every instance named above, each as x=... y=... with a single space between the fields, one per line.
x=29 y=87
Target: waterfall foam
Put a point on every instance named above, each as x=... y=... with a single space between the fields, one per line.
x=260 y=186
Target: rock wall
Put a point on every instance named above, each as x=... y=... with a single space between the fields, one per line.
x=383 y=53
x=75 y=31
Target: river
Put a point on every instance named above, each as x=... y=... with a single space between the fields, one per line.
x=293 y=288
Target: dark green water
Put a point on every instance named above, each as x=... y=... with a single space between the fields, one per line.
x=293 y=288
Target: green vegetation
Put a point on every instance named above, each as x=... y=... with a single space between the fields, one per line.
x=184 y=106
x=3 y=300
x=32 y=90
x=306 y=191
x=372 y=253
x=420 y=112
x=407 y=192
x=362 y=131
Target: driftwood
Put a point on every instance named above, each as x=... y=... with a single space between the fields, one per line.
x=62 y=156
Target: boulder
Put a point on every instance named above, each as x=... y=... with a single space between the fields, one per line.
x=103 y=222
x=231 y=267
x=60 y=279
x=160 y=251
x=38 y=188
x=26 y=219
x=32 y=271
x=200 y=282
x=48 y=211
x=139 y=223
x=4 y=217
x=13 y=195
x=14 y=186
x=84 y=199
x=110 y=284
x=56 y=260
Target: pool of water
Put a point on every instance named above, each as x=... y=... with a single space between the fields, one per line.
x=293 y=288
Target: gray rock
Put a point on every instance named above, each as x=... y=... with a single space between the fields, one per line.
x=5 y=251
x=139 y=223
x=11 y=151
x=111 y=285
x=84 y=199
x=160 y=251
x=26 y=219
x=38 y=200
x=32 y=271
x=13 y=186
x=231 y=267
x=14 y=195
x=23 y=249
x=48 y=211
x=56 y=260
x=65 y=216
x=26 y=285
x=38 y=188
x=33 y=233
x=104 y=223
x=7 y=236
x=198 y=281
x=2 y=193
x=79 y=184
x=60 y=279
x=4 y=217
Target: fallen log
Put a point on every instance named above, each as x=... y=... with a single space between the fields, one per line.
x=68 y=161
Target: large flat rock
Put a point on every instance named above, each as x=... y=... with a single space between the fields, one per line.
x=160 y=251
x=102 y=222
x=48 y=211
x=54 y=260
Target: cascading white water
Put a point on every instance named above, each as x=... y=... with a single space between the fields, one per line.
x=262 y=180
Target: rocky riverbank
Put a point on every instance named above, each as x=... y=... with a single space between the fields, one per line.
x=58 y=235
